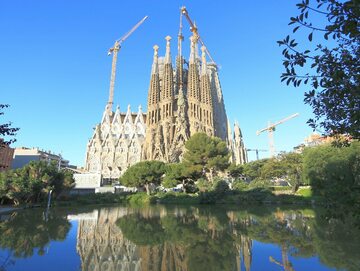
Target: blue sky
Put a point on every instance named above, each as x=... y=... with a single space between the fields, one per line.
x=55 y=72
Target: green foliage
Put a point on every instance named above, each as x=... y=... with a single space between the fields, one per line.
x=272 y=169
x=176 y=198
x=334 y=173
x=204 y=153
x=235 y=171
x=143 y=174
x=259 y=183
x=239 y=185
x=287 y=166
x=219 y=190
x=176 y=174
x=6 y=129
x=252 y=170
x=203 y=185
x=293 y=166
x=139 y=199
x=32 y=182
x=335 y=78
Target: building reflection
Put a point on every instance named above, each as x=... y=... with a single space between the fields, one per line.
x=101 y=244
x=182 y=239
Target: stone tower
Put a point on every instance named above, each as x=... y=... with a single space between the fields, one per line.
x=182 y=102
x=238 y=149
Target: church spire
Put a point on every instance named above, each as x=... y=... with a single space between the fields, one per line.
x=179 y=60
x=203 y=60
x=154 y=90
x=155 y=65
x=192 y=59
x=168 y=80
x=167 y=54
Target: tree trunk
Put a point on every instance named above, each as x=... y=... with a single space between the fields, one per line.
x=183 y=187
x=147 y=188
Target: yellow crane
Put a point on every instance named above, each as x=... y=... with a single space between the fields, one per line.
x=271 y=129
x=194 y=30
x=114 y=50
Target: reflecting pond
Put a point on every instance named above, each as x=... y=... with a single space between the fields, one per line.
x=178 y=238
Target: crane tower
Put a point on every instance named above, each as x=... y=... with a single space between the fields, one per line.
x=271 y=129
x=114 y=50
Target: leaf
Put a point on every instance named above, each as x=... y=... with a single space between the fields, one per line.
x=288 y=81
x=310 y=36
x=295 y=29
x=301 y=17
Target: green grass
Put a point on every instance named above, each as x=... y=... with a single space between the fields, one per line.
x=305 y=192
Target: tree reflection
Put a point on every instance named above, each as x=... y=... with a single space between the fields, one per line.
x=220 y=239
x=189 y=238
x=27 y=231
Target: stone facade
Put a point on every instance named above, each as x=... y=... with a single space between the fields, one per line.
x=116 y=144
x=181 y=102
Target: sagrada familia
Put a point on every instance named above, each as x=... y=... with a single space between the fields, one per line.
x=182 y=100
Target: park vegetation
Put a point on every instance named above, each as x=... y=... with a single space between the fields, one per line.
x=205 y=175
x=32 y=183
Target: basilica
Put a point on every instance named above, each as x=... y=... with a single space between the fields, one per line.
x=183 y=99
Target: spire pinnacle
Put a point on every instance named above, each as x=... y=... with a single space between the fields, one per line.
x=203 y=60
x=155 y=67
x=192 y=59
x=167 y=54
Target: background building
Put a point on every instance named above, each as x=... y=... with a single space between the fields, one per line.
x=6 y=156
x=23 y=156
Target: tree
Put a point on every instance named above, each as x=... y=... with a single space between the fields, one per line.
x=235 y=171
x=205 y=154
x=293 y=164
x=253 y=169
x=6 y=129
x=177 y=173
x=334 y=173
x=32 y=182
x=143 y=174
x=334 y=64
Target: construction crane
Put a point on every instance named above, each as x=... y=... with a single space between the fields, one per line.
x=114 y=50
x=195 y=31
x=271 y=129
x=256 y=151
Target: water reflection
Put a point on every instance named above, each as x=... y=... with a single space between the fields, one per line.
x=191 y=238
x=178 y=238
x=23 y=233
